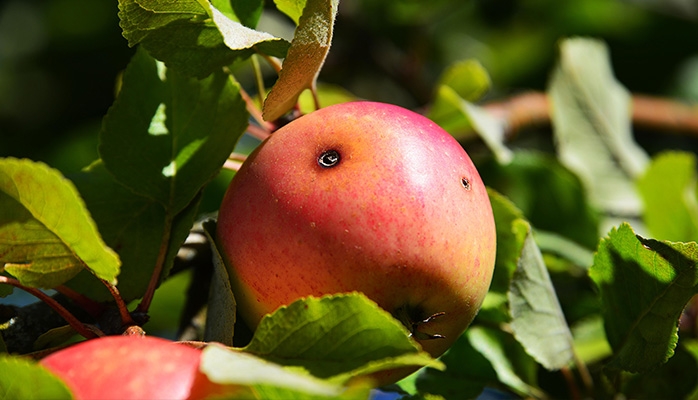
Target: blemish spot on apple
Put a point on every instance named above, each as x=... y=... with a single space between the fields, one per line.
x=465 y=182
x=329 y=158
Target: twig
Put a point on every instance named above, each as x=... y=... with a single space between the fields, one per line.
x=533 y=109
x=89 y=332
x=90 y=306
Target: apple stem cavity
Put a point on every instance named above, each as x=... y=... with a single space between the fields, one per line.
x=407 y=315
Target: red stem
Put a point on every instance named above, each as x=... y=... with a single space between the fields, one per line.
x=126 y=319
x=89 y=332
x=92 y=307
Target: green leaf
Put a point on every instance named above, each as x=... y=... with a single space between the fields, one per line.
x=138 y=227
x=310 y=45
x=644 y=286
x=537 y=319
x=590 y=342
x=457 y=115
x=46 y=233
x=668 y=193
x=592 y=127
x=514 y=368
x=468 y=79
x=24 y=379
x=221 y=311
x=246 y=12
x=467 y=373
x=510 y=240
x=267 y=380
x=292 y=8
x=336 y=336
x=550 y=196
x=167 y=135
x=674 y=380
x=184 y=35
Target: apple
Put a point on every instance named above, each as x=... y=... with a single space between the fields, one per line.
x=367 y=197
x=129 y=367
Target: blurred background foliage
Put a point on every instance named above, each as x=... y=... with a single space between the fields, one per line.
x=60 y=61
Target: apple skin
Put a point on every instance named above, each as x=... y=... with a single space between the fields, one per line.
x=128 y=367
x=402 y=217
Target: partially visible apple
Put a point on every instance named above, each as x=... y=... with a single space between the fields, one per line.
x=127 y=367
x=366 y=197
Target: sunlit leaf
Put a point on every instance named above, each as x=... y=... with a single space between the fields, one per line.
x=292 y=8
x=310 y=45
x=668 y=191
x=185 y=36
x=46 y=233
x=537 y=319
x=167 y=135
x=266 y=379
x=336 y=336
x=644 y=285
x=457 y=115
x=592 y=127
x=468 y=78
x=24 y=379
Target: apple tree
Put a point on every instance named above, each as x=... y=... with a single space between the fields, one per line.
x=591 y=194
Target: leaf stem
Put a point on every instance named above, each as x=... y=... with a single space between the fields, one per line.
x=255 y=112
x=144 y=305
x=259 y=80
x=126 y=319
x=316 y=99
x=88 y=332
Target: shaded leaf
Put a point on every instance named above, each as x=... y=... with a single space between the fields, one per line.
x=138 y=227
x=550 y=196
x=221 y=311
x=46 y=233
x=167 y=135
x=590 y=342
x=310 y=45
x=467 y=373
x=336 y=336
x=674 y=380
x=266 y=379
x=668 y=192
x=537 y=319
x=514 y=368
x=592 y=127
x=644 y=285
x=24 y=379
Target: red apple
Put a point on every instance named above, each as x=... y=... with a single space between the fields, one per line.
x=126 y=367
x=365 y=197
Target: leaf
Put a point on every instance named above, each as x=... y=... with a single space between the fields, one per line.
x=550 y=196
x=167 y=135
x=309 y=47
x=537 y=319
x=336 y=336
x=644 y=286
x=674 y=380
x=221 y=311
x=184 y=35
x=514 y=368
x=292 y=8
x=468 y=79
x=136 y=226
x=24 y=379
x=246 y=12
x=457 y=115
x=467 y=373
x=592 y=127
x=668 y=192
x=268 y=380
x=46 y=233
